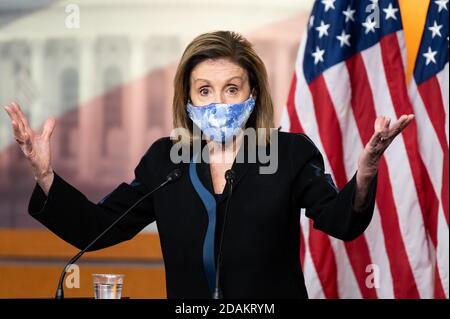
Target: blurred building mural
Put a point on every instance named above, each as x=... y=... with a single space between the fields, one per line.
x=108 y=81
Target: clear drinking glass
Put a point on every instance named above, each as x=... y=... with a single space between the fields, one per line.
x=107 y=286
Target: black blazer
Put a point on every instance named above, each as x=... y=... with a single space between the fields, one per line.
x=261 y=247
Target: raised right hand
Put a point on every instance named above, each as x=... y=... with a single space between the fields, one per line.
x=35 y=147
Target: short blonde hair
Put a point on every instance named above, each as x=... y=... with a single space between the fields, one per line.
x=224 y=44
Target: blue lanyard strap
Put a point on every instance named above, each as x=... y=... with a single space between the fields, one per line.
x=209 y=202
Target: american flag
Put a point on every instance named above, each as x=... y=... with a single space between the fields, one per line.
x=349 y=70
x=429 y=94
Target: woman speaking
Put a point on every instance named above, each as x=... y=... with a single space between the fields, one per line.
x=224 y=224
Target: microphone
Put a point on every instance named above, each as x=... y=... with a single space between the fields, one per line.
x=230 y=177
x=172 y=177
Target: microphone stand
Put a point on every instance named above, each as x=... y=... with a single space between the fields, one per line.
x=229 y=176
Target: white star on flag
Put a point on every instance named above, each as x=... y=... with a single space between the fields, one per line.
x=390 y=12
x=329 y=4
x=430 y=56
x=442 y=4
x=344 y=38
x=323 y=29
x=349 y=14
x=318 y=55
x=436 y=30
x=370 y=25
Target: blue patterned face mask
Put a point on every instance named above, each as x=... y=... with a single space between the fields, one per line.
x=220 y=122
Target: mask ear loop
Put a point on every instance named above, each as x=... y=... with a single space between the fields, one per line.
x=253 y=94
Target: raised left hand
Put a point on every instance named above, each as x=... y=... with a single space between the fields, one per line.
x=382 y=137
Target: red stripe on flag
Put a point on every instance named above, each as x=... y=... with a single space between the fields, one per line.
x=428 y=200
x=331 y=137
x=294 y=125
x=358 y=253
x=329 y=130
x=402 y=275
x=430 y=92
x=364 y=112
x=439 y=292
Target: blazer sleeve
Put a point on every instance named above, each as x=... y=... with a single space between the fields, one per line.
x=330 y=209
x=70 y=215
